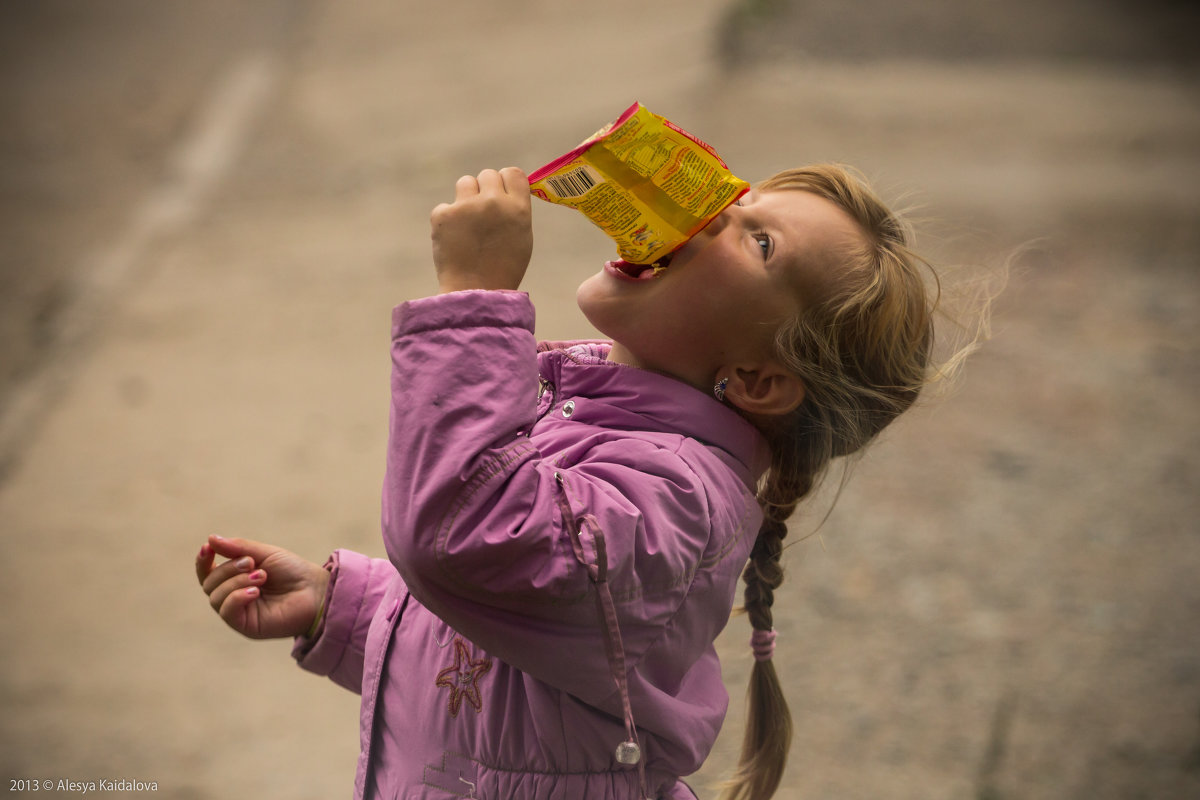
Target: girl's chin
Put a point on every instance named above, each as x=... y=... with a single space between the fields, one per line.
x=601 y=306
x=603 y=286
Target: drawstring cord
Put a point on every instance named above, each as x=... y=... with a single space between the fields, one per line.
x=629 y=751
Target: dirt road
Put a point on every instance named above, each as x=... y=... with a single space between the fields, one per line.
x=209 y=211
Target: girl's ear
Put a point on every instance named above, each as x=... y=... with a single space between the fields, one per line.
x=764 y=389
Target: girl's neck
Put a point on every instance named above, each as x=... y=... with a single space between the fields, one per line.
x=620 y=354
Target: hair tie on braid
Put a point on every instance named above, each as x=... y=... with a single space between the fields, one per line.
x=763 y=645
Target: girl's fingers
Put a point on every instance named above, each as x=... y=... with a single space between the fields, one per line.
x=235 y=586
x=234 y=607
x=225 y=571
x=465 y=187
x=243 y=555
x=516 y=182
x=236 y=548
x=204 y=562
x=490 y=182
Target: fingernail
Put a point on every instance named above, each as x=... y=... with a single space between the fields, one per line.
x=204 y=551
x=246 y=562
x=252 y=591
x=257 y=575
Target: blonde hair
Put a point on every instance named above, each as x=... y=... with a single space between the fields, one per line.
x=863 y=353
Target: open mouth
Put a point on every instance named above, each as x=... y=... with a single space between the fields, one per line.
x=641 y=272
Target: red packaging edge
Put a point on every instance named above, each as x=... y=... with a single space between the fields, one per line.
x=542 y=172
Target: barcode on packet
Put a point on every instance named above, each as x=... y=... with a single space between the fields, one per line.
x=574 y=183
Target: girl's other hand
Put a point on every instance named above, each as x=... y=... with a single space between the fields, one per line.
x=484 y=239
x=261 y=591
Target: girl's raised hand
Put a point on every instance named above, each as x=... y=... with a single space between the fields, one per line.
x=261 y=591
x=484 y=239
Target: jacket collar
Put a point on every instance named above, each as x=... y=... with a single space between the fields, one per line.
x=645 y=400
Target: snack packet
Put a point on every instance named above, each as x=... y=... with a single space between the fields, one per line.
x=648 y=184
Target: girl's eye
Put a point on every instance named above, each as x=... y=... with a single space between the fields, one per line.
x=764 y=242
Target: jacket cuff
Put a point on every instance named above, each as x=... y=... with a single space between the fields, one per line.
x=465 y=309
x=344 y=596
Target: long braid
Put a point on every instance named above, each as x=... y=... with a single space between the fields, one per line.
x=768 y=733
x=862 y=356
x=764 y=573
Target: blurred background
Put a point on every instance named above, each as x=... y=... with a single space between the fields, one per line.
x=208 y=210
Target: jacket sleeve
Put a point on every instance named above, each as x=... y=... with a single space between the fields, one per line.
x=356 y=587
x=498 y=540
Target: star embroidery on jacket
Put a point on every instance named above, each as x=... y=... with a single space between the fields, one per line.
x=462 y=678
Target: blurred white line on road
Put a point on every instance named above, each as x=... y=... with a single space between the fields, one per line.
x=202 y=157
x=194 y=167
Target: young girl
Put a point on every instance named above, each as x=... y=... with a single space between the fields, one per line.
x=566 y=524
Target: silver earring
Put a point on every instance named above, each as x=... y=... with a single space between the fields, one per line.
x=719 y=389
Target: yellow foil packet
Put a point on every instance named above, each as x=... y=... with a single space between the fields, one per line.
x=645 y=182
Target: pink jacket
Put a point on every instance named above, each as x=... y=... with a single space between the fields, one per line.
x=564 y=540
